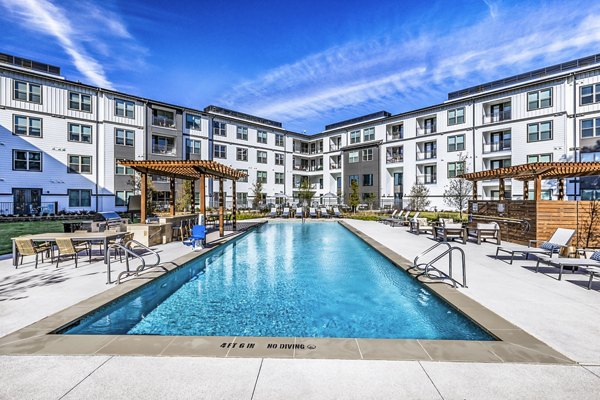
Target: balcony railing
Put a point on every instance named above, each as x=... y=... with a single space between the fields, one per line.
x=394 y=159
x=426 y=155
x=163 y=121
x=428 y=179
x=497 y=117
x=166 y=150
x=395 y=135
x=335 y=166
x=502 y=145
x=311 y=186
x=426 y=130
x=334 y=147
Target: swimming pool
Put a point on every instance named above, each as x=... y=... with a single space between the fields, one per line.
x=286 y=280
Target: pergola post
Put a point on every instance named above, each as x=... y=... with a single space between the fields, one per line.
x=475 y=190
x=144 y=189
x=234 y=206
x=193 y=185
x=538 y=188
x=221 y=209
x=525 y=190
x=502 y=189
x=203 y=196
x=172 y=197
x=561 y=188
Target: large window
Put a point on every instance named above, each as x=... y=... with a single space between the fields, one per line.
x=539 y=99
x=80 y=197
x=242 y=132
x=79 y=164
x=539 y=132
x=354 y=137
x=241 y=154
x=192 y=146
x=279 y=140
x=261 y=137
x=242 y=199
x=261 y=176
x=220 y=151
x=456 y=143
x=456 y=169
x=456 y=116
x=429 y=125
x=367 y=155
x=121 y=197
x=353 y=157
x=24 y=160
x=164 y=145
x=163 y=118
x=124 y=108
x=27 y=126
x=367 y=180
x=369 y=134
x=397 y=131
x=122 y=170
x=279 y=159
x=495 y=164
x=80 y=133
x=124 y=137
x=590 y=94
x=533 y=158
x=80 y=102
x=279 y=178
x=244 y=179
x=219 y=128
x=430 y=174
x=27 y=91
x=352 y=178
x=193 y=121
x=590 y=128
x=261 y=157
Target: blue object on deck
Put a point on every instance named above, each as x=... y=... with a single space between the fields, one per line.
x=198 y=235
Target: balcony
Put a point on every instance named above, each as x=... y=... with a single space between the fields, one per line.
x=497 y=117
x=502 y=145
x=391 y=159
x=428 y=179
x=334 y=147
x=300 y=167
x=427 y=130
x=335 y=165
x=163 y=121
x=395 y=135
x=164 y=150
x=426 y=155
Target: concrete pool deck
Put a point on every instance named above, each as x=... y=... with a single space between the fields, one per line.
x=546 y=308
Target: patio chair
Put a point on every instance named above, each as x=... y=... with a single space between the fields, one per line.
x=273 y=213
x=286 y=212
x=485 y=232
x=198 y=235
x=299 y=212
x=66 y=247
x=393 y=218
x=420 y=225
x=312 y=212
x=324 y=213
x=336 y=212
x=560 y=238
x=592 y=265
x=451 y=232
x=384 y=219
x=123 y=241
x=26 y=247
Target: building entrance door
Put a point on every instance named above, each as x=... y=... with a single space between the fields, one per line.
x=27 y=201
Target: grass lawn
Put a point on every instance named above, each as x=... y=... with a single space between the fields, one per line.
x=12 y=229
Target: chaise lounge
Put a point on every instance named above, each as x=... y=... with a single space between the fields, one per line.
x=560 y=238
x=592 y=264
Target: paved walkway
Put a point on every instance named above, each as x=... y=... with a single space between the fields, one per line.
x=563 y=314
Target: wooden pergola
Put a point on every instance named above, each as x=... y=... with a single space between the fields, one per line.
x=535 y=172
x=191 y=170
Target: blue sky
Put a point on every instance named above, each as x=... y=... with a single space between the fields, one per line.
x=304 y=63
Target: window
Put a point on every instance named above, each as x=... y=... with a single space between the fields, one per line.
x=590 y=94
x=24 y=160
x=368 y=180
x=369 y=134
x=429 y=151
x=395 y=154
x=27 y=126
x=242 y=133
x=398 y=178
x=495 y=194
x=539 y=99
x=500 y=112
x=279 y=140
x=80 y=197
x=122 y=170
x=244 y=179
x=159 y=178
x=124 y=137
x=456 y=169
x=26 y=91
x=353 y=157
x=367 y=155
x=80 y=133
x=220 y=151
x=499 y=141
x=121 y=197
x=261 y=176
x=261 y=137
x=80 y=102
x=219 y=128
x=429 y=125
x=590 y=127
x=279 y=178
x=495 y=164
x=163 y=118
x=193 y=121
x=397 y=131
x=242 y=199
x=279 y=159
x=124 y=108
x=539 y=132
x=430 y=174
x=163 y=145
x=456 y=116
x=353 y=178
x=539 y=158
x=354 y=137
x=79 y=164
x=241 y=154
x=456 y=143
x=261 y=157
x=192 y=146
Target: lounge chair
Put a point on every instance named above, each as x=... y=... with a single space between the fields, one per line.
x=384 y=219
x=394 y=217
x=592 y=264
x=26 y=247
x=485 y=232
x=451 y=231
x=420 y=225
x=560 y=238
x=324 y=213
x=312 y=212
x=299 y=212
x=66 y=247
x=273 y=213
x=336 y=212
x=286 y=212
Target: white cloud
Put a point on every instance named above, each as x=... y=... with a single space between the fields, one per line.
x=493 y=7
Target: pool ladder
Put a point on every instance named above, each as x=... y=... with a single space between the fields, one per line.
x=126 y=248
x=432 y=272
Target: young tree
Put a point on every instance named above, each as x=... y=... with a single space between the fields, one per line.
x=591 y=224
x=457 y=194
x=354 y=199
x=305 y=194
x=257 y=192
x=370 y=200
x=186 y=198
x=418 y=197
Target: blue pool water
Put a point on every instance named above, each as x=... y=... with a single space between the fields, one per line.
x=286 y=279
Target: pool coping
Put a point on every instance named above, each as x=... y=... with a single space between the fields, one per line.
x=514 y=344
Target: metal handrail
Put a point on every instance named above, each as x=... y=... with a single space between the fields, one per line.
x=126 y=247
x=449 y=275
x=429 y=250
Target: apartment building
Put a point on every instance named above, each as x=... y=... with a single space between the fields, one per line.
x=60 y=141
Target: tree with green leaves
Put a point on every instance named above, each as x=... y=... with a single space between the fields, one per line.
x=370 y=200
x=305 y=192
x=418 y=197
x=457 y=194
x=257 y=192
x=185 y=199
x=354 y=199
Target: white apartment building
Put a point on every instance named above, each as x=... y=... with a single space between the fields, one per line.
x=60 y=141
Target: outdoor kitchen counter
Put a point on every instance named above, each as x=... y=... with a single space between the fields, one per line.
x=151 y=234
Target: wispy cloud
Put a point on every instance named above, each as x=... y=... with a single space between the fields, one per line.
x=493 y=7
x=76 y=31
x=389 y=71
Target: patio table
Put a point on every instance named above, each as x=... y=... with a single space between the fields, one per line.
x=105 y=237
